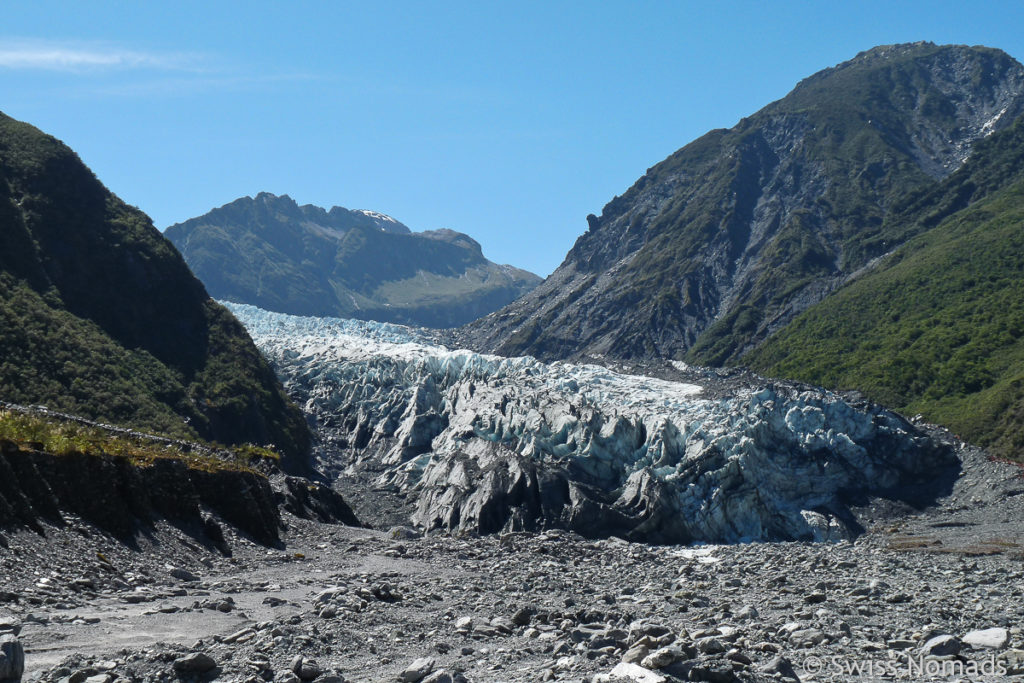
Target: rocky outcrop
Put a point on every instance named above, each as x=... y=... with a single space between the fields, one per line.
x=125 y=494
x=485 y=444
x=726 y=240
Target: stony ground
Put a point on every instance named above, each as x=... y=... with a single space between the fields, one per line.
x=936 y=588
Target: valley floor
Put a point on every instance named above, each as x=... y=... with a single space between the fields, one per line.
x=339 y=603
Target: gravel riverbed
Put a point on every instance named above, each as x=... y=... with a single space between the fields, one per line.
x=923 y=595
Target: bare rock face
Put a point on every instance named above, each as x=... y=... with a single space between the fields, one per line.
x=482 y=443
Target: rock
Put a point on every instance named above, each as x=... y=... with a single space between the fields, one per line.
x=713 y=673
x=587 y=632
x=195 y=663
x=747 y=613
x=438 y=677
x=12 y=658
x=710 y=646
x=503 y=624
x=662 y=657
x=182 y=574
x=1014 y=661
x=464 y=624
x=84 y=583
x=306 y=669
x=807 y=637
x=990 y=638
x=940 y=646
x=403 y=533
x=417 y=671
x=815 y=598
x=899 y=644
x=781 y=667
x=385 y=592
x=639 y=629
x=241 y=636
x=636 y=654
x=523 y=616
x=624 y=671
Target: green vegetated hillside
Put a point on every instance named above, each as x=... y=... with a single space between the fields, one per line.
x=100 y=316
x=270 y=252
x=938 y=326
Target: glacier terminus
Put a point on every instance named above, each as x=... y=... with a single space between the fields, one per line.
x=481 y=443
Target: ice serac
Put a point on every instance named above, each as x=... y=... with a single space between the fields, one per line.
x=486 y=443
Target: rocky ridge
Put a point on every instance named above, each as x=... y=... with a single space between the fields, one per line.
x=271 y=252
x=484 y=444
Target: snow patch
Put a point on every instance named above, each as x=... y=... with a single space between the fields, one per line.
x=377 y=216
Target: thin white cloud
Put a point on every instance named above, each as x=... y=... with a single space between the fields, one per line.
x=173 y=85
x=111 y=70
x=51 y=56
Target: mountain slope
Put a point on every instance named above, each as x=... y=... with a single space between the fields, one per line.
x=937 y=327
x=728 y=239
x=270 y=252
x=100 y=316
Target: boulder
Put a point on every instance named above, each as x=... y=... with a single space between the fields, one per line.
x=417 y=671
x=943 y=645
x=12 y=658
x=989 y=638
x=195 y=663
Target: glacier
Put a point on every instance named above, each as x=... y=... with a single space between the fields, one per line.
x=483 y=443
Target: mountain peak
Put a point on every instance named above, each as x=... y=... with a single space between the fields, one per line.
x=362 y=264
x=728 y=238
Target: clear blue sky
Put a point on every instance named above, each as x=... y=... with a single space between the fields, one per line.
x=508 y=121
